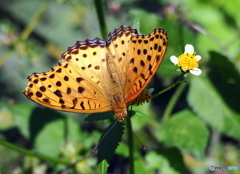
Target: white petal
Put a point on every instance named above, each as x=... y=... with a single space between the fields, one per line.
x=196 y=71
x=174 y=60
x=189 y=49
x=150 y=90
x=198 y=57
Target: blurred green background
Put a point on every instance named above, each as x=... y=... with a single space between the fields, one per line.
x=185 y=130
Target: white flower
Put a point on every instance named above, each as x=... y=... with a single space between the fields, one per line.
x=188 y=61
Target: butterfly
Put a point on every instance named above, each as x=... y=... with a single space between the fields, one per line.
x=96 y=76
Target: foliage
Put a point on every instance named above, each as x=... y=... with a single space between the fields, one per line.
x=189 y=128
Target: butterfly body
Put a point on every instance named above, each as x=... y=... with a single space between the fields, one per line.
x=114 y=88
x=98 y=76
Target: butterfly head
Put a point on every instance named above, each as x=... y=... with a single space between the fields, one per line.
x=121 y=114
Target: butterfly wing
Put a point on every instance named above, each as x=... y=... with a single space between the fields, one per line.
x=146 y=53
x=118 y=48
x=75 y=84
x=136 y=58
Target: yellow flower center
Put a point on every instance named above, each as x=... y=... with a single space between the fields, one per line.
x=187 y=61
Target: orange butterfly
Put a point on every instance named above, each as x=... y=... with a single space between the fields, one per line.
x=97 y=76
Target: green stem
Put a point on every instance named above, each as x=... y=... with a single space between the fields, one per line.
x=216 y=138
x=130 y=142
x=30 y=153
x=101 y=19
x=173 y=101
x=175 y=96
x=179 y=80
x=4 y=58
x=28 y=30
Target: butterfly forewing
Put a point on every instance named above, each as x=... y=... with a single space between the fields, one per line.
x=118 y=46
x=145 y=56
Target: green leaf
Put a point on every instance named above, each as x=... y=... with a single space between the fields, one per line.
x=154 y=160
x=216 y=18
x=6 y=119
x=153 y=20
x=140 y=115
x=184 y=131
x=123 y=150
x=99 y=116
x=140 y=167
x=169 y=161
x=209 y=105
x=102 y=167
x=175 y=163
x=49 y=129
x=21 y=114
x=109 y=141
x=140 y=119
x=39 y=118
x=226 y=84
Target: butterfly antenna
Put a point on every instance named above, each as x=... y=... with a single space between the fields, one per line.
x=95 y=148
x=143 y=147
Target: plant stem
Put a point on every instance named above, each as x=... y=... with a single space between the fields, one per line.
x=101 y=19
x=4 y=58
x=30 y=153
x=130 y=145
x=173 y=101
x=174 y=98
x=179 y=80
x=28 y=30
